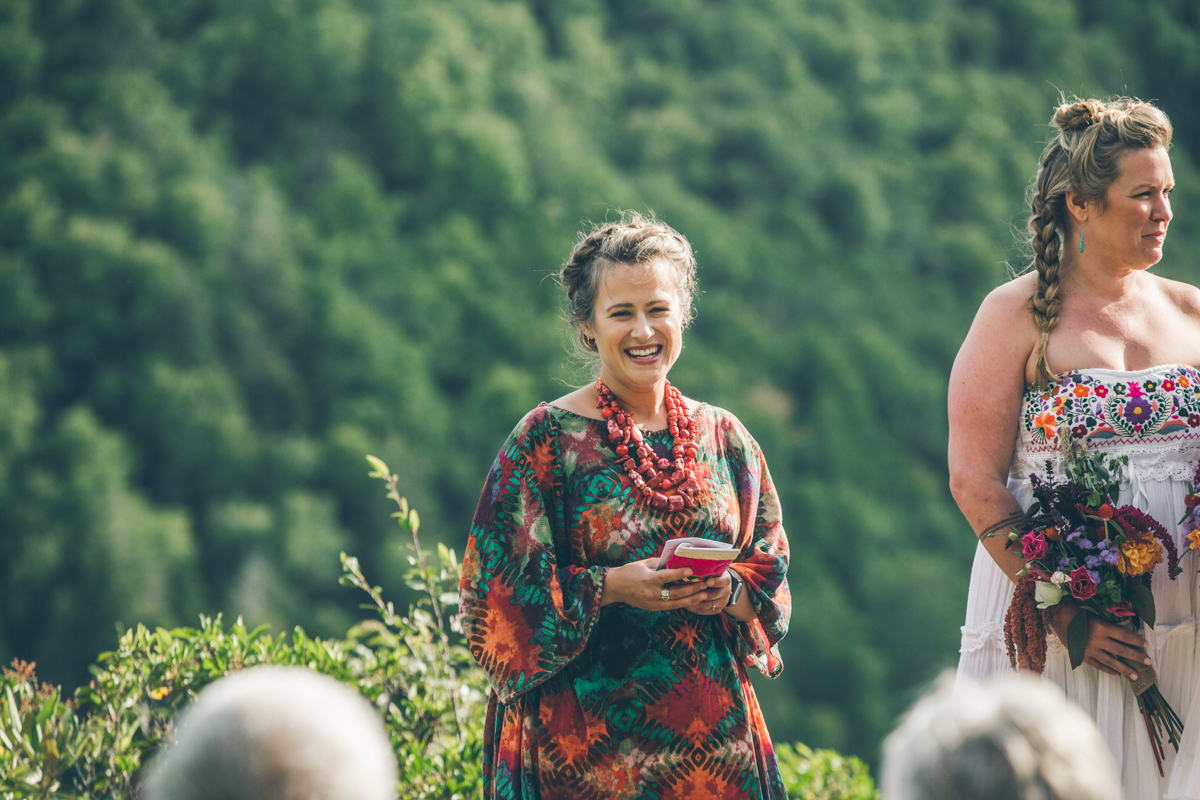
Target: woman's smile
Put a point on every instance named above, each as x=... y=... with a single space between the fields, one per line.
x=638 y=327
x=643 y=353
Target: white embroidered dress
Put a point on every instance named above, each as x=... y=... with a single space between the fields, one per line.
x=1153 y=417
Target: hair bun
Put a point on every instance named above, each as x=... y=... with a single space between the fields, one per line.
x=1079 y=115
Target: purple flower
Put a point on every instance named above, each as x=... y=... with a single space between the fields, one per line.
x=1063 y=563
x=1111 y=556
x=1194 y=420
x=1094 y=561
x=1085 y=543
x=1138 y=410
x=1079 y=431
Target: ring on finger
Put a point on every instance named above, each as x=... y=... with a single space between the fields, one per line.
x=666 y=595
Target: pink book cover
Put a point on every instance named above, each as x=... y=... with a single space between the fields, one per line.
x=704 y=556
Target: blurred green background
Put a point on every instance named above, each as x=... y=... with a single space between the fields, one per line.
x=244 y=242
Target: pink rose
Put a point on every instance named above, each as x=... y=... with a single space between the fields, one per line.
x=1082 y=585
x=1122 y=609
x=1033 y=545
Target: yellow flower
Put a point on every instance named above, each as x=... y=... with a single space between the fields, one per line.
x=160 y=693
x=1138 y=558
x=1194 y=539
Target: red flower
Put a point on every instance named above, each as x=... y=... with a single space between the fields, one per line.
x=1122 y=609
x=1082 y=585
x=1033 y=546
x=1105 y=511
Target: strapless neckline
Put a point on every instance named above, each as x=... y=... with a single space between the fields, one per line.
x=1125 y=373
x=1113 y=408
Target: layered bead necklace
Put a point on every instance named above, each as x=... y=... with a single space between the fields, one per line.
x=663 y=484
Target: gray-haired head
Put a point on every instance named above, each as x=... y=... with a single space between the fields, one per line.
x=1016 y=738
x=277 y=733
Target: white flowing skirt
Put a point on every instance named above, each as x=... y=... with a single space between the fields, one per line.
x=1155 y=483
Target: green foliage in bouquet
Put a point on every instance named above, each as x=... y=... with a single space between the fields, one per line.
x=413 y=667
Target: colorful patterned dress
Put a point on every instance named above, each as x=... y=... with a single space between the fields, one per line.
x=616 y=702
x=1151 y=416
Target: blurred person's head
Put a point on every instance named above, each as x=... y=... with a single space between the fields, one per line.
x=1015 y=738
x=277 y=733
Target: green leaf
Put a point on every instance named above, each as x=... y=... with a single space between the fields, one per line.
x=48 y=708
x=1142 y=601
x=1077 y=638
x=381 y=469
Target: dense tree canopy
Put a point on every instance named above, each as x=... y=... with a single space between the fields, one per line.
x=244 y=242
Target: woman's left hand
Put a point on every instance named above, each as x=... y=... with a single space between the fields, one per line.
x=717 y=590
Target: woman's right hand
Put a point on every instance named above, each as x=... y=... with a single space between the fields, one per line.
x=638 y=584
x=1106 y=644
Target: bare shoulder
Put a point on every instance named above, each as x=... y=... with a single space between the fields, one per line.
x=582 y=401
x=1010 y=300
x=1183 y=296
x=1004 y=318
x=1000 y=342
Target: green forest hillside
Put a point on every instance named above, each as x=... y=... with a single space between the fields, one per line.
x=244 y=242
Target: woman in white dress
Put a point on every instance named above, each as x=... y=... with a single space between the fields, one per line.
x=1090 y=340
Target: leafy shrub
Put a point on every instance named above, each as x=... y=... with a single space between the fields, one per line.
x=823 y=774
x=412 y=667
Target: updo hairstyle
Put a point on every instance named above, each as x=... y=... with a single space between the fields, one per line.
x=1081 y=158
x=633 y=240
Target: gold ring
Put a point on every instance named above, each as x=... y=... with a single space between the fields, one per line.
x=666 y=595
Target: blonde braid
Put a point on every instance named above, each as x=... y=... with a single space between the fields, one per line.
x=1046 y=302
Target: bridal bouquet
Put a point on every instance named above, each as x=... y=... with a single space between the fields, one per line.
x=1191 y=517
x=1077 y=542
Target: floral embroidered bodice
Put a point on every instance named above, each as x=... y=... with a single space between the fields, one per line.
x=1153 y=412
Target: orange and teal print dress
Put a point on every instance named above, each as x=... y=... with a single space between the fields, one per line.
x=592 y=703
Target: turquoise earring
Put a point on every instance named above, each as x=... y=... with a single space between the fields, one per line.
x=1081 y=240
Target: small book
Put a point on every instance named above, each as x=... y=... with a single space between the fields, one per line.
x=704 y=556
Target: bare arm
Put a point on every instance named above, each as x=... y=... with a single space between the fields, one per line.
x=986 y=388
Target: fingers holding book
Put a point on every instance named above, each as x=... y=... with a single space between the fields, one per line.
x=640 y=585
x=718 y=589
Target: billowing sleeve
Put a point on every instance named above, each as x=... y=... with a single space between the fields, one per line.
x=525 y=613
x=764 y=560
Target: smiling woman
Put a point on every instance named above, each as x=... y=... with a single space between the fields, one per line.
x=613 y=679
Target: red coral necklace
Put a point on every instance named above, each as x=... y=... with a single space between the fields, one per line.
x=662 y=484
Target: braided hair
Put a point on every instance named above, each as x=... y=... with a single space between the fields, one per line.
x=633 y=240
x=1082 y=158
